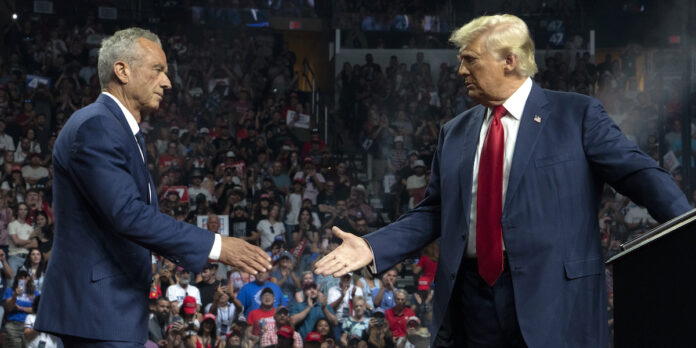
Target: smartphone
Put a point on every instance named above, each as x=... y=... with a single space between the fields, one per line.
x=20 y=285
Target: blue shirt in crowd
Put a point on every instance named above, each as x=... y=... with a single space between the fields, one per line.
x=387 y=299
x=22 y=301
x=250 y=296
x=314 y=314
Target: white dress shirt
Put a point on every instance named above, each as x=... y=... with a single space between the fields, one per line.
x=511 y=124
x=217 y=245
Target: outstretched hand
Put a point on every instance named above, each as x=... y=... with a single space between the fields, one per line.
x=244 y=256
x=353 y=254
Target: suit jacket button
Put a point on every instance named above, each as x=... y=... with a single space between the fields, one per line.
x=463 y=236
x=452 y=276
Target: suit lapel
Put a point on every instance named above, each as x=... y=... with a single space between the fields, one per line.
x=534 y=117
x=469 y=143
x=118 y=114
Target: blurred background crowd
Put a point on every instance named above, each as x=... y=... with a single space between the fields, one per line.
x=242 y=146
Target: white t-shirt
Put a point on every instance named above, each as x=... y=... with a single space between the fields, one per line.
x=334 y=293
x=636 y=214
x=295 y=200
x=6 y=142
x=34 y=173
x=414 y=182
x=311 y=190
x=269 y=232
x=23 y=231
x=50 y=340
x=176 y=293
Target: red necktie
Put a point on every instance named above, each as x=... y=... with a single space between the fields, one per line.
x=489 y=201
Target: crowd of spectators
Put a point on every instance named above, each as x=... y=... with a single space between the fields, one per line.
x=225 y=156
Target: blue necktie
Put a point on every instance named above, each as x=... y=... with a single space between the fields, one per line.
x=141 y=144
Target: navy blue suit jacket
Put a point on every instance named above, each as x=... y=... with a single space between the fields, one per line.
x=550 y=223
x=100 y=271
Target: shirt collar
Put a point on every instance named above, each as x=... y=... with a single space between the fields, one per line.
x=516 y=102
x=129 y=117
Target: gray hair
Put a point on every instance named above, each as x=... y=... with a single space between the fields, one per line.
x=123 y=45
x=401 y=291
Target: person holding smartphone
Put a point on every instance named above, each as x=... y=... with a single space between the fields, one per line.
x=17 y=301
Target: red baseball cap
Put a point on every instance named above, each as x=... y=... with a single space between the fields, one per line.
x=209 y=316
x=189 y=305
x=424 y=283
x=286 y=331
x=313 y=337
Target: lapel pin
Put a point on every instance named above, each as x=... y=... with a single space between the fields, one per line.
x=537 y=118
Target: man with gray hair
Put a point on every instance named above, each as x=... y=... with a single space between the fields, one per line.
x=107 y=219
x=513 y=196
x=398 y=316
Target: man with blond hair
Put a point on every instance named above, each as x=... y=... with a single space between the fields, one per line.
x=107 y=220
x=513 y=196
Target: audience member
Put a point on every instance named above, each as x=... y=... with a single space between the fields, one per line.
x=280 y=331
x=226 y=312
x=271 y=227
x=384 y=297
x=340 y=297
x=355 y=325
x=20 y=237
x=159 y=319
x=177 y=292
x=250 y=293
x=398 y=316
x=17 y=301
x=36 y=339
x=259 y=317
x=306 y=313
x=208 y=284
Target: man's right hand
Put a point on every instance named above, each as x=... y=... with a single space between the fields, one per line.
x=386 y=280
x=244 y=256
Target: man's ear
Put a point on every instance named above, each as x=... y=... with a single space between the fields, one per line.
x=510 y=63
x=122 y=71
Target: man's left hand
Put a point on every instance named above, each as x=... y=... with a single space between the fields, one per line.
x=353 y=254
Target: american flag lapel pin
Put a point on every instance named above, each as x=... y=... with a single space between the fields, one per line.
x=537 y=118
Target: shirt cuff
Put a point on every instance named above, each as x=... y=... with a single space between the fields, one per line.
x=372 y=267
x=217 y=248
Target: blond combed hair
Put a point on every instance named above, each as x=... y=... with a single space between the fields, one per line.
x=504 y=34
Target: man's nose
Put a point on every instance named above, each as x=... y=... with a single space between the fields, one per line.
x=166 y=84
x=462 y=69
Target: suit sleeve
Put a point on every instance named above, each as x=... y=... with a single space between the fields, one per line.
x=413 y=230
x=99 y=168
x=629 y=170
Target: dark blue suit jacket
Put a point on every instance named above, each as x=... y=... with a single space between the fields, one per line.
x=550 y=222
x=100 y=271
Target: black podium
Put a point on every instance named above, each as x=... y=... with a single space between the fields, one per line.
x=655 y=287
